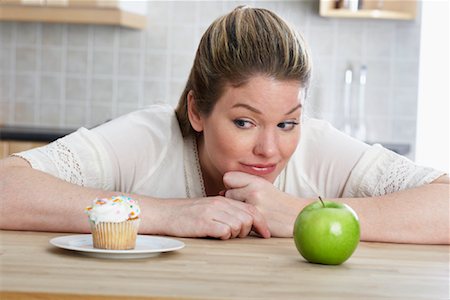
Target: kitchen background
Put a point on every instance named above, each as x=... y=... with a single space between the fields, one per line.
x=67 y=76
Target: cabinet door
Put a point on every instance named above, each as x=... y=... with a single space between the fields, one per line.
x=3 y=149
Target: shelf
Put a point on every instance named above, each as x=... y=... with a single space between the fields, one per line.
x=78 y=15
x=391 y=10
x=368 y=14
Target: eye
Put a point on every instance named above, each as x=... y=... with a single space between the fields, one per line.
x=287 y=126
x=244 y=124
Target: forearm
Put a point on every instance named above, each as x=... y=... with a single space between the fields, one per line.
x=419 y=215
x=33 y=200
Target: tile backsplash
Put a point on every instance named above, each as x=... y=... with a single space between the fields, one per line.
x=63 y=75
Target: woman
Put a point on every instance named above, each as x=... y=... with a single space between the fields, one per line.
x=230 y=160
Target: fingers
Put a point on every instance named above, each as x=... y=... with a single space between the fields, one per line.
x=239 y=223
x=238 y=218
x=233 y=180
x=257 y=219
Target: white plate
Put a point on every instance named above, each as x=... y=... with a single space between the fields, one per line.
x=146 y=246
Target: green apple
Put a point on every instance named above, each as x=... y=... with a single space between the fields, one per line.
x=326 y=232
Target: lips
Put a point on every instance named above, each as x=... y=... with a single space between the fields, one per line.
x=259 y=169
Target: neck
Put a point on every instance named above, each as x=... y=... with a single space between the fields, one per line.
x=211 y=178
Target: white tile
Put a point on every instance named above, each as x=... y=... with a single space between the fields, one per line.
x=26 y=34
x=76 y=61
x=52 y=34
x=75 y=116
x=378 y=101
x=379 y=73
x=379 y=43
x=321 y=40
x=26 y=59
x=103 y=63
x=403 y=129
x=77 y=35
x=5 y=117
x=129 y=64
x=130 y=38
x=104 y=36
x=407 y=44
x=6 y=33
x=158 y=12
x=102 y=91
x=404 y=102
x=24 y=113
x=76 y=89
x=128 y=91
x=51 y=88
x=154 y=92
x=183 y=12
x=349 y=43
x=378 y=129
x=5 y=88
x=25 y=87
x=155 y=65
x=184 y=39
x=406 y=73
x=50 y=115
x=156 y=39
x=5 y=59
x=176 y=88
x=181 y=66
x=209 y=11
x=51 y=59
x=99 y=114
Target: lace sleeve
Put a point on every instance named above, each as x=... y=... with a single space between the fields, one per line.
x=78 y=158
x=381 y=171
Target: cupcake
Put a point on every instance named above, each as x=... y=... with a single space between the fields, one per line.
x=114 y=222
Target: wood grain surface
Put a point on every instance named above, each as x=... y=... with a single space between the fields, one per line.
x=250 y=268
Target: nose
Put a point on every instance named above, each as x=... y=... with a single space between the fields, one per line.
x=266 y=143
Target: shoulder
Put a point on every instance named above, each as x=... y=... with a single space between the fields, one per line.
x=156 y=120
x=316 y=128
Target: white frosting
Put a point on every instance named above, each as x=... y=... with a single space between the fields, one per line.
x=115 y=209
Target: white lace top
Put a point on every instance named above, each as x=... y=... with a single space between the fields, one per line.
x=144 y=153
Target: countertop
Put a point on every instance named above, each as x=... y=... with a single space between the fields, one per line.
x=247 y=268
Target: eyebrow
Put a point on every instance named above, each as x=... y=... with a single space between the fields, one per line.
x=251 y=108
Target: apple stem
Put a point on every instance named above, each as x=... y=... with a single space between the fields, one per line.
x=323 y=204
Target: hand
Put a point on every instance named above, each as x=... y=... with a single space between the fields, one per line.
x=216 y=217
x=279 y=209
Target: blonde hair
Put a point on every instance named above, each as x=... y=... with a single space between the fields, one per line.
x=244 y=43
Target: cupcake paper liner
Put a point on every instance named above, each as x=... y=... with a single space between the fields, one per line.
x=115 y=236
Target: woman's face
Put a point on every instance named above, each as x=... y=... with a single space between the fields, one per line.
x=253 y=128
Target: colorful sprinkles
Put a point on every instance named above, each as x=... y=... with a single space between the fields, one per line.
x=119 y=202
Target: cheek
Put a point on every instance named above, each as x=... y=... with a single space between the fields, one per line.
x=222 y=143
x=289 y=144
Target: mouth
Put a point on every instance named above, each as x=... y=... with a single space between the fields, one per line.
x=259 y=169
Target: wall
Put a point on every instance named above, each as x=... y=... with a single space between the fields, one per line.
x=81 y=75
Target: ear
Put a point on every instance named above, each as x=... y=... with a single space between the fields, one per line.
x=195 y=118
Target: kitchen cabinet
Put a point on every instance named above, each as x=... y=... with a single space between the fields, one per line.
x=130 y=14
x=370 y=9
x=9 y=147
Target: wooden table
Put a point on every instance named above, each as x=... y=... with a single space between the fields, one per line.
x=250 y=268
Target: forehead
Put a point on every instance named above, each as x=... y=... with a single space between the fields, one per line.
x=263 y=92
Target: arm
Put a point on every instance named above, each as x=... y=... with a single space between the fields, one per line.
x=417 y=215
x=34 y=200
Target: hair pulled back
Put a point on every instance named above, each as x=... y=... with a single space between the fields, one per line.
x=237 y=46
